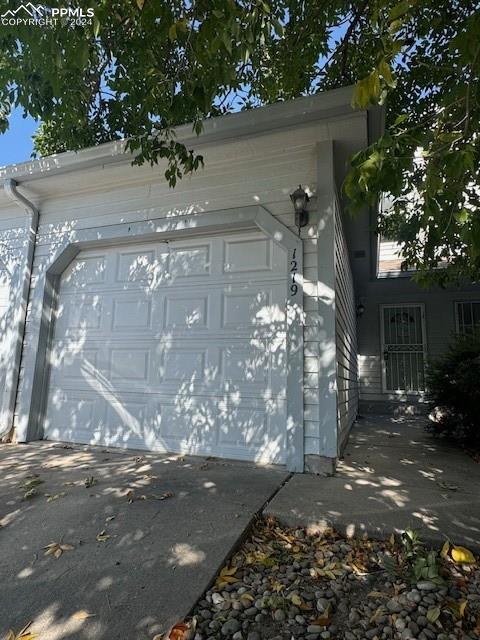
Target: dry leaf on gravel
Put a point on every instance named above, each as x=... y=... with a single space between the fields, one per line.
x=433 y=614
x=177 y=632
x=226 y=576
x=461 y=555
x=56 y=549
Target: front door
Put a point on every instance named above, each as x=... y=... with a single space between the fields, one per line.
x=403 y=348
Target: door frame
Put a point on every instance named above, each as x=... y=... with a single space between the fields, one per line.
x=421 y=305
x=31 y=404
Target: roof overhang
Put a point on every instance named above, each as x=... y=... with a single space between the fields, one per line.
x=299 y=112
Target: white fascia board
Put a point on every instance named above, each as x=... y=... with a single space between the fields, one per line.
x=298 y=112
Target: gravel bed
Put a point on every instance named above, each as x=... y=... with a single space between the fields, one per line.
x=284 y=584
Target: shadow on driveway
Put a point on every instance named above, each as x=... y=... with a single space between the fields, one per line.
x=161 y=553
x=394 y=475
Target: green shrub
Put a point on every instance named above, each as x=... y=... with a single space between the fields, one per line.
x=454 y=390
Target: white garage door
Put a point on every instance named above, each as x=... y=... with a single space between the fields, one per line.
x=176 y=346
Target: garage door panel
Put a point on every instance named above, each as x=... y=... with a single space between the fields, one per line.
x=183 y=365
x=189 y=424
x=71 y=415
x=240 y=366
x=134 y=313
x=189 y=262
x=187 y=312
x=173 y=347
x=85 y=311
x=247 y=255
x=85 y=272
x=138 y=266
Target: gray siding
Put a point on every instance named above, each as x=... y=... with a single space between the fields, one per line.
x=345 y=336
x=439 y=325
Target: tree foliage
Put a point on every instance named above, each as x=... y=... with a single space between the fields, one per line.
x=144 y=66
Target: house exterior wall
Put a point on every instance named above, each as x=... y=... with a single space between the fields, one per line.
x=345 y=335
x=258 y=169
x=439 y=307
x=13 y=250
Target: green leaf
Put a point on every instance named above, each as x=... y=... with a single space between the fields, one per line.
x=366 y=91
x=172 y=32
x=399 y=10
x=385 y=71
x=227 y=41
x=278 y=28
x=433 y=614
x=96 y=26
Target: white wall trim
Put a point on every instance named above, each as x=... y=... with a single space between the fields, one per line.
x=32 y=398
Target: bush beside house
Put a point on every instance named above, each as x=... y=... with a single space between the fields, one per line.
x=454 y=391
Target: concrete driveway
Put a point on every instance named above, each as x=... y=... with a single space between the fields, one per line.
x=162 y=550
x=393 y=475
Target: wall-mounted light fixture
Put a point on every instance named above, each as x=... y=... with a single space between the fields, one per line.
x=300 y=198
x=360 y=310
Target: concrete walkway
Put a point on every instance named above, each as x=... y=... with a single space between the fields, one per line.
x=394 y=475
x=138 y=565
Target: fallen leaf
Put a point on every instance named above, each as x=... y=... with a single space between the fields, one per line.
x=54 y=497
x=163 y=496
x=247 y=596
x=177 y=632
x=277 y=586
x=445 y=549
x=462 y=605
x=102 y=536
x=324 y=619
x=110 y=518
x=56 y=549
x=226 y=576
x=476 y=631
x=82 y=615
x=461 y=555
x=447 y=485
x=24 y=634
x=433 y=614
x=31 y=493
x=90 y=481
x=296 y=600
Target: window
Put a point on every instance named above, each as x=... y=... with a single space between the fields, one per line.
x=468 y=317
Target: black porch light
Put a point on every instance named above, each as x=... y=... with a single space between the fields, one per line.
x=300 y=198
